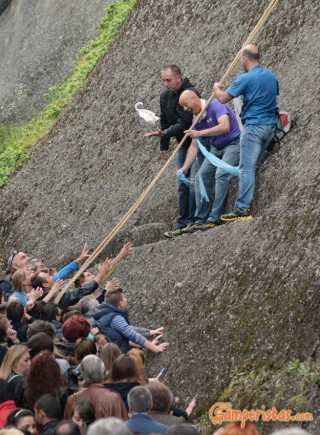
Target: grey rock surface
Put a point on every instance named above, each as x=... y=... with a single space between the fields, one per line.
x=245 y=294
x=39 y=39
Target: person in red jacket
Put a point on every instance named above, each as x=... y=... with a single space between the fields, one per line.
x=6 y=404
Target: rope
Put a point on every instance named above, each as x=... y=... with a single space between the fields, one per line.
x=145 y=193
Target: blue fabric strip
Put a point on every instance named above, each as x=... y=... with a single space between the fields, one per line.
x=216 y=161
x=183 y=178
x=202 y=189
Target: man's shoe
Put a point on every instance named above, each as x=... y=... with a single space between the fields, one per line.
x=208 y=226
x=238 y=213
x=192 y=228
x=175 y=233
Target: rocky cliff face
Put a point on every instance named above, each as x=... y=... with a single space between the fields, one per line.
x=238 y=302
x=39 y=41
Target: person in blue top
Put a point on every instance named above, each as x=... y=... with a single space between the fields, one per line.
x=219 y=124
x=259 y=88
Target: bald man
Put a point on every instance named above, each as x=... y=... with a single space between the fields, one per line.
x=259 y=88
x=219 y=124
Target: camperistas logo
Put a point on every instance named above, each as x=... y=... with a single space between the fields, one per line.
x=222 y=412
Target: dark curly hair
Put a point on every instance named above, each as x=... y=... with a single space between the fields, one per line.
x=44 y=377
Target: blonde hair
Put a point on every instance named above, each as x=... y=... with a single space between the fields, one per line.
x=18 y=277
x=140 y=360
x=11 y=359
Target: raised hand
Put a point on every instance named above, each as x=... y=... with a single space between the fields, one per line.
x=57 y=286
x=12 y=334
x=84 y=254
x=35 y=294
x=128 y=249
x=113 y=284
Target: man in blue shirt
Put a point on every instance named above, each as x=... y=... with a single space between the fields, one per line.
x=259 y=88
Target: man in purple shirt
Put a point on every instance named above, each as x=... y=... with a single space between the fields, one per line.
x=220 y=125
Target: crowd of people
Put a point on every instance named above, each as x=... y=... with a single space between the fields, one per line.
x=77 y=366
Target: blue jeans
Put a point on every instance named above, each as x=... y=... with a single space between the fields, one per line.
x=253 y=143
x=186 y=194
x=211 y=175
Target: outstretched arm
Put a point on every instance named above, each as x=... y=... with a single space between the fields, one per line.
x=126 y=251
x=74 y=265
x=119 y=323
x=103 y=270
x=84 y=254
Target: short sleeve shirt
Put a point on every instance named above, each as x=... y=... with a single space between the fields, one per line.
x=214 y=111
x=260 y=89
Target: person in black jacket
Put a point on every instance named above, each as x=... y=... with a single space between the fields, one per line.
x=72 y=296
x=173 y=122
x=48 y=413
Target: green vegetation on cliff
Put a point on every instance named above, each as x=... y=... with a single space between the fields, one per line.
x=16 y=141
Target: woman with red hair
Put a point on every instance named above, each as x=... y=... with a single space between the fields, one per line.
x=44 y=377
x=72 y=329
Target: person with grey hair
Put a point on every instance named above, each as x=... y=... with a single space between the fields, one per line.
x=106 y=403
x=109 y=426
x=140 y=405
x=87 y=306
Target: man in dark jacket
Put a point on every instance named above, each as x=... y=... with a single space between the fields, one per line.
x=173 y=122
x=47 y=414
